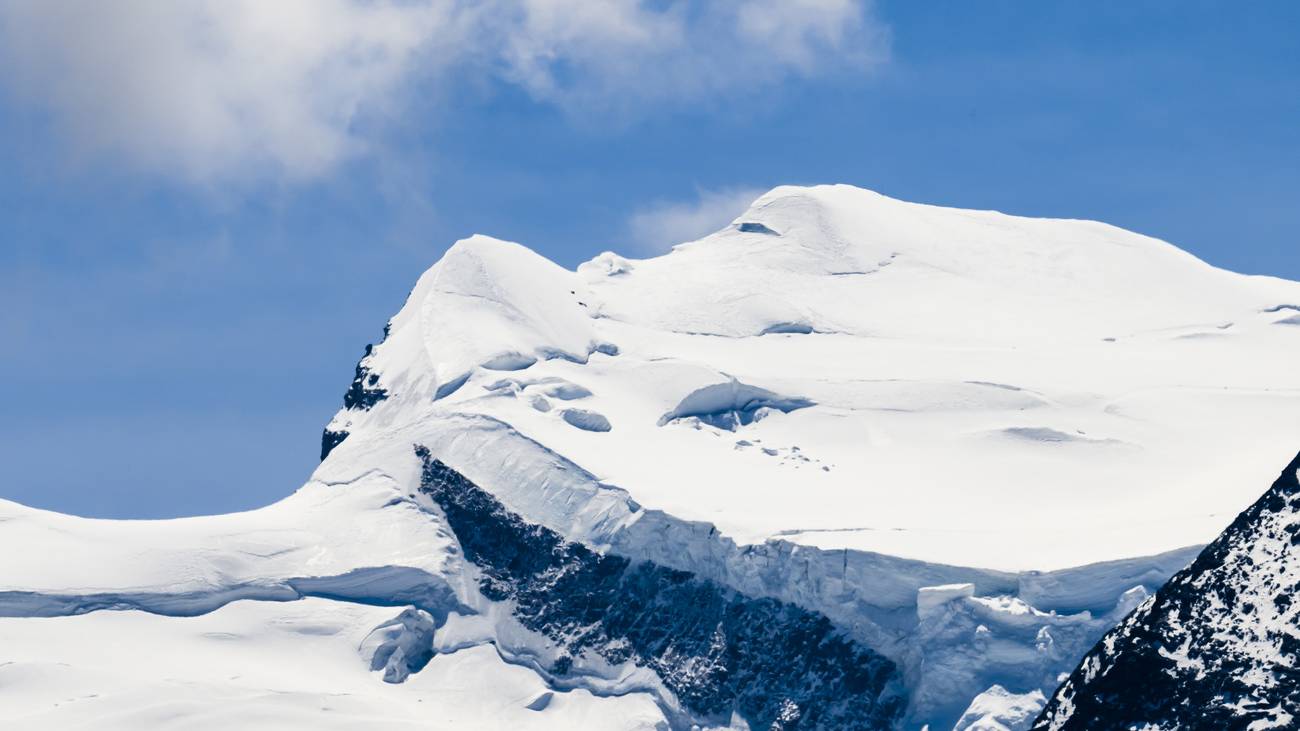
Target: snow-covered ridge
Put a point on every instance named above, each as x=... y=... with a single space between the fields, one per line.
x=950 y=648
x=971 y=441
x=717 y=656
x=189 y=566
x=965 y=380
x=876 y=599
x=1059 y=367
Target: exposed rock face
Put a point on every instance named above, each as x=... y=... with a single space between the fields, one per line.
x=329 y=439
x=365 y=391
x=1218 y=647
x=719 y=652
x=362 y=395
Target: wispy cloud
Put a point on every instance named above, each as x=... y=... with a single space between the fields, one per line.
x=209 y=90
x=626 y=55
x=657 y=228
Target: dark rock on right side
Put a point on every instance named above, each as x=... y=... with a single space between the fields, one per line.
x=1218 y=647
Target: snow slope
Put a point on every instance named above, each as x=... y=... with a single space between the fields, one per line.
x=969 y=442
x=356 y=538
x=262 y=665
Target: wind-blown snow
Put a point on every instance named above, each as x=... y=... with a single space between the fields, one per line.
x=353 y=538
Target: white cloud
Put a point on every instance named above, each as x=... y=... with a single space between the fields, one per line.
x=208 y=90
x=657 y=228
x=624 y=55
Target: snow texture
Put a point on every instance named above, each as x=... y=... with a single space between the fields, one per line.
x=998 y=709
x=400 y=646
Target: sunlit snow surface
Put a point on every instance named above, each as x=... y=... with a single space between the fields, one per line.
x=972 y=441
x=988 y=390
x=268 y=665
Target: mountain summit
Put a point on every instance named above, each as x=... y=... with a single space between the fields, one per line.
x=849 y=462
x=1061 y=367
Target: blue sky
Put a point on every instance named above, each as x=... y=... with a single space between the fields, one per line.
x=195 y=244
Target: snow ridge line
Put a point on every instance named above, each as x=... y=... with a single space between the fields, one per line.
x=871 y=597
x=570 y=500
x=378 y=586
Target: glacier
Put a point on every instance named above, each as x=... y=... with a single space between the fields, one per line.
x=964 y=444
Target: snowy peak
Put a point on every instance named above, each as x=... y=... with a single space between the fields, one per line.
x=1217 y=647
x=845 y=259
x=487 y=304
x=829 y=259
x=491 y=303
x=854 y=335
x=847 y=463
x=850 y=221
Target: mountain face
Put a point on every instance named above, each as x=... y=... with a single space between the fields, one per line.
x=849 y=462
x=721 y=654
x=753 y=410
x=1218 y=647
x=834 y=339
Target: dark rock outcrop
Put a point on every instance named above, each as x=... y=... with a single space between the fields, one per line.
x=1218 y=647
x=362 y=395
x=364 y=392
x=774 y=664
x=329 y=439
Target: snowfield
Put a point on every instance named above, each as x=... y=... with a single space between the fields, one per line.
x=269 y=665
x=973 y=442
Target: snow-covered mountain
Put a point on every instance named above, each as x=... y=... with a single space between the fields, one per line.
x=1218 y=647
x=849 y=462
x=1060 y=368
